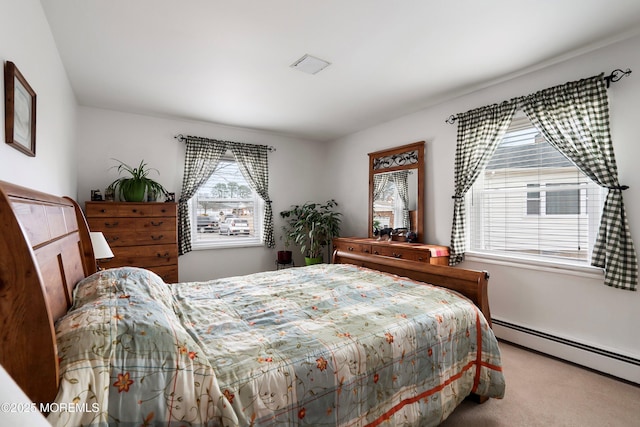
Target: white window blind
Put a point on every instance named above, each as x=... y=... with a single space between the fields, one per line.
x=531 y=201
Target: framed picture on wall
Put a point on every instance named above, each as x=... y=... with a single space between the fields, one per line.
x=19 y=111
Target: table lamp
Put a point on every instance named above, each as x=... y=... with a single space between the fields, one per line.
x=101 y=249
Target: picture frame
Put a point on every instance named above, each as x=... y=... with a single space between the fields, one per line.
x=19 y=111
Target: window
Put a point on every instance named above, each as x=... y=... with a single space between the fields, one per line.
x=562 y=202
x=226 y=211
x=553 y=200
x=531 y=201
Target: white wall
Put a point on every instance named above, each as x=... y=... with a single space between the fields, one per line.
x=579 y=308
x=28 y=43
x=296 y=174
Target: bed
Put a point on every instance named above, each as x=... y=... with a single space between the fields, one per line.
x=363 y=341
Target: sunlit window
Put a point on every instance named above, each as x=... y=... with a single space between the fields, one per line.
x=226 y=211
x=532 y=201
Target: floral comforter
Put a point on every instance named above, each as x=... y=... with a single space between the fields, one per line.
x=323 y=345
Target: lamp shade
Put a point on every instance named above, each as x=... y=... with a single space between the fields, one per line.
x=101 y=248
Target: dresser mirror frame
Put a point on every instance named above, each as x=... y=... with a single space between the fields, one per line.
x=408 y=157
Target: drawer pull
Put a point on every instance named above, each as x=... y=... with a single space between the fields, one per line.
x=366 y=251
x=103 y=210
x=111 y=224
x=157 y=224
x=395 y=255
x=134 y=210
x=350 y=249
x=376 y=253
x=113 y=239
x=166 y=255
x=160 y=237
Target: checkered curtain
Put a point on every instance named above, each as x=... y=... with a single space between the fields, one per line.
x=401 y=180
x=574 y=118
x=252 y=161
x=200 y=161
x=379 y=183
x=479 y=132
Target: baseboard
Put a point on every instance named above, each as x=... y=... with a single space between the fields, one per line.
x=618 y=365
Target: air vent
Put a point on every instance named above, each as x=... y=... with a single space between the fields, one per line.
x=310 y=64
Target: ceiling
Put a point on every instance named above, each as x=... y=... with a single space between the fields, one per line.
x=228 y=62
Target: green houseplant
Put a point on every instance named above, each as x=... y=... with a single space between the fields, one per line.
x=312 y=226
x=132 y=188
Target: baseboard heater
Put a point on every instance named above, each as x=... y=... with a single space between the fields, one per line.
x=575 y=344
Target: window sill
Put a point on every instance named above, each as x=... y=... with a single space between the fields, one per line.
x=580 y=270
x=246 y=243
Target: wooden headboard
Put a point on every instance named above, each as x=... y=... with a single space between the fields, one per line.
x=45 y=250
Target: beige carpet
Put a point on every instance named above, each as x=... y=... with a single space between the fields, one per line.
x=543 y=391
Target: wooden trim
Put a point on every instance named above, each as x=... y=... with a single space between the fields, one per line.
x=88 y=260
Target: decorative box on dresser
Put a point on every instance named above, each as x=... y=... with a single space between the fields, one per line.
x=140 y=235
x=431 y=254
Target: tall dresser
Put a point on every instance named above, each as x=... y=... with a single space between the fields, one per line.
x=140 y=235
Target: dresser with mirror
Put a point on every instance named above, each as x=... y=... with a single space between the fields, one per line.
x=396 y=201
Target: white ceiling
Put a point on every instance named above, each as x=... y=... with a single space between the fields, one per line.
x=228 y=61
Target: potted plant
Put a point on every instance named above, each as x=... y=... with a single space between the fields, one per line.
x=312 y=226
x=285 y=256
x=133 y=188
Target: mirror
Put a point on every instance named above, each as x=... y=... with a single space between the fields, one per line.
x=396 y=189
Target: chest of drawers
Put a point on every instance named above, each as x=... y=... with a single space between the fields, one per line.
x=431 y=254
x=140 y=235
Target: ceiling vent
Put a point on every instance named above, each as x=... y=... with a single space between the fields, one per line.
x=310 y=64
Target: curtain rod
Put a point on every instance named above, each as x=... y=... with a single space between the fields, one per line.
x=180 y=137
x=615 y=76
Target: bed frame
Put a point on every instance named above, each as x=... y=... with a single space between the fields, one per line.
x=45 y=250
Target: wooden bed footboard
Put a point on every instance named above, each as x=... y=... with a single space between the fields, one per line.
x=470 y=283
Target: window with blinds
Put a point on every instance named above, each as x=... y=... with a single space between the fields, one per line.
x=531 y=201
